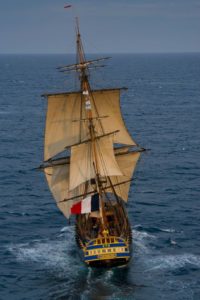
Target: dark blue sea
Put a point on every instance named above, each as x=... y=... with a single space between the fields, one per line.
x=38 y=255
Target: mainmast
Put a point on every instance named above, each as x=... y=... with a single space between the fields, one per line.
x=86 y=97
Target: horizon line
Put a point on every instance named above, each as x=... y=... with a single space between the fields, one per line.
x=94 y=53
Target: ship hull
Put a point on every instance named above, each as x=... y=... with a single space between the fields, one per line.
x=105 y=244
x=108 y=263
x=105 y=252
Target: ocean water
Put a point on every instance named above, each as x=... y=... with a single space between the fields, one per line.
x=161 y=108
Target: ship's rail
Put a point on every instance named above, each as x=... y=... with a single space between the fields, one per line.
x=105 y=241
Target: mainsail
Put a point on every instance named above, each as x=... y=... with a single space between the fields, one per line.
x=66 y=121
x=82 y=161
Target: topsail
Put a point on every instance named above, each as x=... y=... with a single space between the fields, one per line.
x=66 y=121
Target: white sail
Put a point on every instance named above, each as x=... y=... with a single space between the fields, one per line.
x=127 y=163
x=66 y=121
x=61 y=130
x=58 y=180
x=83 y=157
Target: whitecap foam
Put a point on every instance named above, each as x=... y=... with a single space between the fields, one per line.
x=64 y=229
x=108 y=275
x=141 y=235
x=59 y=253
x=173 y=242
x=141 y=240
x=171 y=230
x=49 y=253
x=172 y=262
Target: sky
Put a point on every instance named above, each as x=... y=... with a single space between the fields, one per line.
x=111 y=26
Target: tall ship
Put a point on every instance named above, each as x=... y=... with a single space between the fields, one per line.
x=89 y=160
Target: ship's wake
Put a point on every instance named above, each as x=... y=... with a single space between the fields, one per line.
x=59 y=258
x=59 y=253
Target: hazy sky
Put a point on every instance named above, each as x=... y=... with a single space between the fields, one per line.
x=44 y=26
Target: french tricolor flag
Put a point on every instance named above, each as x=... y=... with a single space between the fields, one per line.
x=87 y=205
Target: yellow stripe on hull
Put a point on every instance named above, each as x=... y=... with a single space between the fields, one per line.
x=109 y=248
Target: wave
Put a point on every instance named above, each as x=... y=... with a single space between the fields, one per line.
x=141 y=241
x=149 y=259
x=154 y=229
x=59 y=257
x=50 y=253
x=172 y=262
x=61 y=253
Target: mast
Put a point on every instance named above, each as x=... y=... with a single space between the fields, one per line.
x=84 y=121
x=86 y=96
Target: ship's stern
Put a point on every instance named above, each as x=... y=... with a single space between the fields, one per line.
x=107 y=252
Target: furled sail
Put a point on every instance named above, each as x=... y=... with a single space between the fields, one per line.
x=83 y=156
x=66 y=121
